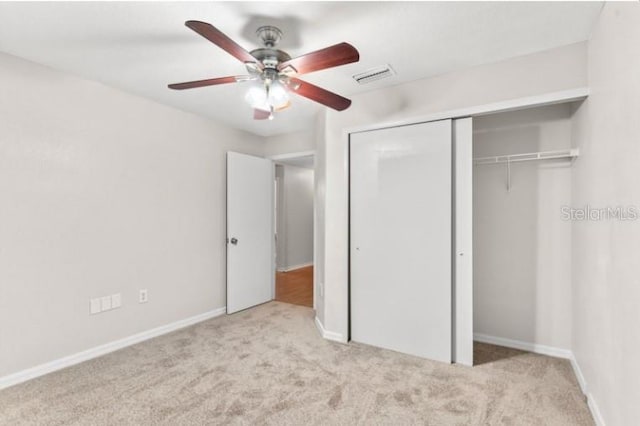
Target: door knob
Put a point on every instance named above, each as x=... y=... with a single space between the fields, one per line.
x=234 y=241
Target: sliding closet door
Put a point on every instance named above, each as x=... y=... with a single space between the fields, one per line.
x=463 y=242
x=400 y=221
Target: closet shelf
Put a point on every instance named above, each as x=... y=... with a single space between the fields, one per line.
x=530 y=156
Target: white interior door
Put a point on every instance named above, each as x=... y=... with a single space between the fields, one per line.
x=400 y=221
x=250 y=260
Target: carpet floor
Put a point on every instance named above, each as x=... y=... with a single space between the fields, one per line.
x=268 y=365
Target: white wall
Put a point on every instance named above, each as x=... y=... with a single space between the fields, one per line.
x=102 y=192
x=319 y=207
x=281 y=240
x=295 y=244
x=521 y=244
x=290 y=143
x=606 y=254
x=550 y=71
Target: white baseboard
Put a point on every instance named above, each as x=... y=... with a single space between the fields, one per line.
x=578 y=372
x=591 y=402
x=294 y=267
x=595 y=411
x=67 y=361
x=550 y=351
x=524 y=346
x=329 y=335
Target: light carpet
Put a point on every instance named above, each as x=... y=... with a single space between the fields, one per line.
x=268 y=365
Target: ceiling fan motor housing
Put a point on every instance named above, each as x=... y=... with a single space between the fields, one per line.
x=269 y=36
x=269 y=57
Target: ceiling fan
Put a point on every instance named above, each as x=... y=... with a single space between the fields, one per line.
x=274 y=71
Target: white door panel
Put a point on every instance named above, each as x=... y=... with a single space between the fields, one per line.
x=463 y=290
x=250 y=271
x=400 y=221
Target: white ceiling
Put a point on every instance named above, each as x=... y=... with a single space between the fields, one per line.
x=141 y=47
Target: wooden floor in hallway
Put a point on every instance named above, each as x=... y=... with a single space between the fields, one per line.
x=295 y=286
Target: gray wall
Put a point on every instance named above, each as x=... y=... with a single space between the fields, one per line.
x=295 y=218
x=521 y=244
x=606 y=254
x=102 y=192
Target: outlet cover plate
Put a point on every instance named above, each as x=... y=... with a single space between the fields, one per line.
x=106 y=303
x=95 y=306
x=116 y=301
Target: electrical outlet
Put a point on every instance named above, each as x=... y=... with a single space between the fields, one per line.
x=105 y=303
x=144 y=296
x=321 y=289
x=95 y=306
x=116 y=301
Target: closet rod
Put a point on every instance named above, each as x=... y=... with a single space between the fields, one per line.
x=530 y=156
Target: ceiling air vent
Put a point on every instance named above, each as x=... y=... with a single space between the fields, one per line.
x=374 y=74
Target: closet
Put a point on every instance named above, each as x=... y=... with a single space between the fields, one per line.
x=456 y=233
x=521 y=243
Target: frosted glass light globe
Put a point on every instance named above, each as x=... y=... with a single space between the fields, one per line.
x=257 y=98
x=278 y=96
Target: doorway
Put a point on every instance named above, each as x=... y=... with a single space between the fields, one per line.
x=294 y=228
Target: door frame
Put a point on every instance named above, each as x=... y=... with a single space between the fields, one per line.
x=277 y=159
x=462 y=241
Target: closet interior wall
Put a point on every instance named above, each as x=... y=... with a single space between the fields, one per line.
x=521 y=244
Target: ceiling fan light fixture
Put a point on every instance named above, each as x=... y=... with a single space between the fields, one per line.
x=278 y=96
x=268 y=96
x=257 y=98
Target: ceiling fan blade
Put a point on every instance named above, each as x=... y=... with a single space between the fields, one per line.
x=319 y=94
x=259 y=114
x=339 y=54
x=209 y=82
x=216 y=37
